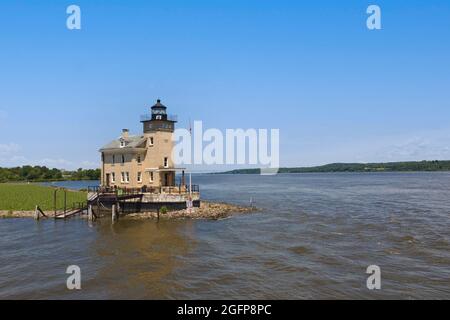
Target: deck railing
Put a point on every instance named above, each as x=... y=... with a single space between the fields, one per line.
x=148 y=117
x=155 y=190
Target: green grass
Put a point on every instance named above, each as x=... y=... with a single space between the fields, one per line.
x=24 y=197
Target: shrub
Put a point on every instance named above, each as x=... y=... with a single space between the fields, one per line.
x=163 y=210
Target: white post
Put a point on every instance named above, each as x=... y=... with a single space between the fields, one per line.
x=190 y=186
x=36 y=213
x=189 y=202
x=114 y=213
x=90 y=213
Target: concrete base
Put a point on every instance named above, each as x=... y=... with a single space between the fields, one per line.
x=134 y=207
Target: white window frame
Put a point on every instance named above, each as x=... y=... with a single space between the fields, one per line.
x=127 y=177
x=151 y=141
x=113 y=177
x=166 y=162
x=122 y=177
x=152 y=177
x=139 y=177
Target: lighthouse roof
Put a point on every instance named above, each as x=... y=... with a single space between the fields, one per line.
x=131 y=142
x=159 y=105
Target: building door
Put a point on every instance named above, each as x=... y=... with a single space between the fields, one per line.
x=108 y=179
x=166 y=179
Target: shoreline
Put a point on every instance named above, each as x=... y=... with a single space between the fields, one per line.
x=10 y=214
x=209 y=210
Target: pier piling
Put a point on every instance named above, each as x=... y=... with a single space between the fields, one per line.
x=90 y=213
x=36 y=213
x=114 y=214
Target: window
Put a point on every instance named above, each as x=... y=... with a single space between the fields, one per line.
x=123 y=159
x=113 y=159
x=122 y=143
x=166 y=162
x=113 y=177
x=139 y=159
x=125 y=177
x=151 y=176
x=139 y=177
x=151 y=141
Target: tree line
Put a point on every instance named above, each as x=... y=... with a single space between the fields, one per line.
x=411 y=166
x=42 y=173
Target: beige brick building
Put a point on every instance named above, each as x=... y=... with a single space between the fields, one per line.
x=144 y=160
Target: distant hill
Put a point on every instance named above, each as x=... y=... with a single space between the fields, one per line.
x=361 y=167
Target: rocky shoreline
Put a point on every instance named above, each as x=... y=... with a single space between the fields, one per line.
x=16 y=214
x=208 y=210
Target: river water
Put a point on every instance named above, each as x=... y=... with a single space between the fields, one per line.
x=314 y=238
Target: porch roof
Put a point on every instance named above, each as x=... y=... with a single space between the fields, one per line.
x=164 y=169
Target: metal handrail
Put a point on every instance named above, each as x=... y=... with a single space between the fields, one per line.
x=155 y=190
x=148 y=117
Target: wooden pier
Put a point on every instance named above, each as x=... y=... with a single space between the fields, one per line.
x=115 y=202
x=77 y=208
x=111 y=201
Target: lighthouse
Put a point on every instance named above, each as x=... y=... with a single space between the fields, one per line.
x=144 y=160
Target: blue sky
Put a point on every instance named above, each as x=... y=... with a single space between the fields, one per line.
x=337 y=91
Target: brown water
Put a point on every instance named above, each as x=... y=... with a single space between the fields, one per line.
x=314 y=238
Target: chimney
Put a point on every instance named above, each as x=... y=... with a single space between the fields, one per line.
x=125 y=133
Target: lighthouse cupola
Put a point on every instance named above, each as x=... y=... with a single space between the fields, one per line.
x=158 y=120
x=159 y=111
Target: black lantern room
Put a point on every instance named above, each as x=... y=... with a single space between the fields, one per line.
x=158 y=120
x=159 y=111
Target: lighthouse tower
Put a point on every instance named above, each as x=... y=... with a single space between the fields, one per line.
x=158 y=128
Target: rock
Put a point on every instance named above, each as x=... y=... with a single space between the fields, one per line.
x=208 y=210
x=16 y=214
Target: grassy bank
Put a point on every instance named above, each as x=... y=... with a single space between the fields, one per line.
x=24 y=197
